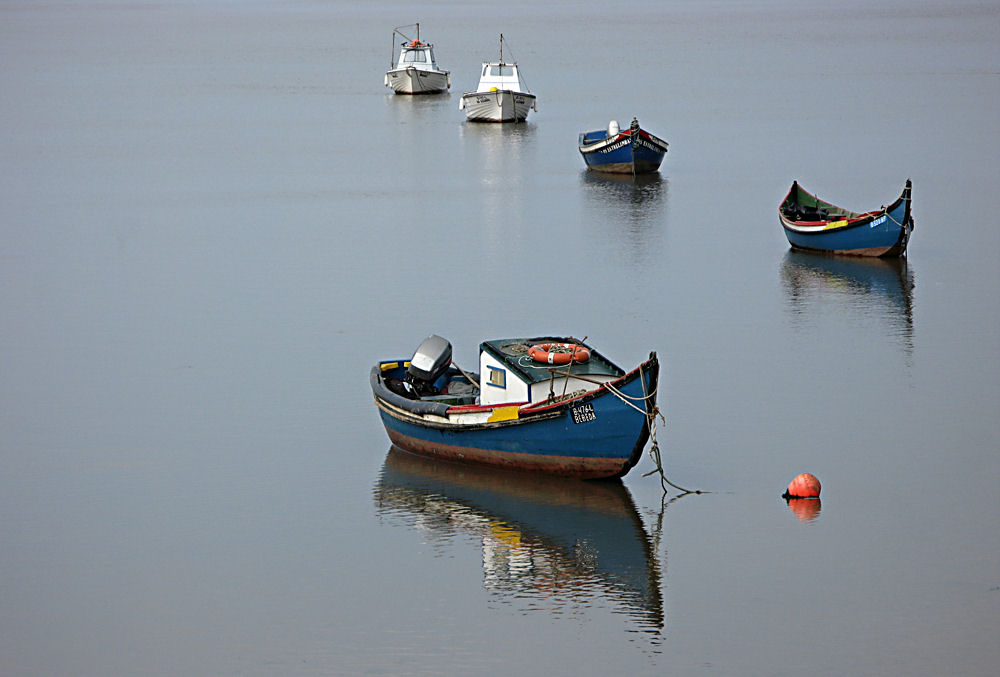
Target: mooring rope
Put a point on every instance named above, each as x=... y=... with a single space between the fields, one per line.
x=654 y=452
x=654 y=446
x=891 y=218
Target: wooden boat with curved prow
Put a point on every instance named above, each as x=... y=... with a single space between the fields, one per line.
x=584 y=419
x=615 y=151
x=812 y=224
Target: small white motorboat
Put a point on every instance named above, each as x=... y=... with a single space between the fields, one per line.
x=502 y=95
x=416 y=70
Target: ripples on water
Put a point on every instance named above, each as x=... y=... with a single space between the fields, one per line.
x=548 y=544
x=880 y=290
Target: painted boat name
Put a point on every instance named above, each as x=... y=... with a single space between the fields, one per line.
x=626 y=141
x=877 y=222
x=486 y=99
x=614 y=146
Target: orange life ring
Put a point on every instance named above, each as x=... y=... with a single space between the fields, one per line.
x=415 y=43
x=558 y=353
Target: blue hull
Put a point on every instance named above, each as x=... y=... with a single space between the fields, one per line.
x=884 y=232
x=627 y=153
x=597 y=435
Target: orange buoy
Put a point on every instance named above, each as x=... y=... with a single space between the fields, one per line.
x=804 y=486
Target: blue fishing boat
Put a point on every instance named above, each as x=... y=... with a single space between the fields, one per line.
x=812 y=224
x=632 y=151
x=552 y=405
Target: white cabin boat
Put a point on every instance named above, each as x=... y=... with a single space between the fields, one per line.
x=416 y=70
x=502 y=95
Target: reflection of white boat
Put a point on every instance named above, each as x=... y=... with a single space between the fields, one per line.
x=502 y=95
x=544 y=539
x=416 y=70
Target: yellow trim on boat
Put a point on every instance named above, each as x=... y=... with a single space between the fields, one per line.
x=387 y=366
x=835 y=224
x=503 y=414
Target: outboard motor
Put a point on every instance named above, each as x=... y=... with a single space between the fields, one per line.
x=430 y=361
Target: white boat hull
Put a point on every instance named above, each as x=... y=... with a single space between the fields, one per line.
x=417 y=81
x=497 y=106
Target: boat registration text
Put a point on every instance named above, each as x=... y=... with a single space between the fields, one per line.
x=583 y=413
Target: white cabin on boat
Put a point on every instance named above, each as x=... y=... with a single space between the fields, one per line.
x=508 y=374
x=499 y=76
x=419 y=55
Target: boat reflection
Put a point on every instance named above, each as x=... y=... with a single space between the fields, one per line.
x=497 y=154
x=494 y=137
x=497 y=151
x=426 y=106
x=631 y=209
x=883 y=287
x=634 y=199
x=548 y=543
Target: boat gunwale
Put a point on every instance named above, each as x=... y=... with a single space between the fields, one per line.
x=444 y=424
x=853 y=219
x=623 y=380
x=512 y=92
x=403 y=69
x=417 y=410
x=597 y=145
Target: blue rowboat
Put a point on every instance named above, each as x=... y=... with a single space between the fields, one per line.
x=548 y=404
x=548 y=536
x=812 y=224
x=633 y=151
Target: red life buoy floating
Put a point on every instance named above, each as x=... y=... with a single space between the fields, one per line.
x=558 y=353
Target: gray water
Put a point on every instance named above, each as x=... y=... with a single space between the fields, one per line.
x=215 y=218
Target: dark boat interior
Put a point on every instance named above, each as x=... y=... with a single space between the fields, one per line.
x=802 y=206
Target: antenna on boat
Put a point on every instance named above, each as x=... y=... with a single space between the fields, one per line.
x=501 y=48
x=392 y=54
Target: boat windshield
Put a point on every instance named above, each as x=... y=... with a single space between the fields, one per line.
x=503 y=71
x=415 y=55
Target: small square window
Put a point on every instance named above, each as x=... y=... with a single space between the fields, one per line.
x=498 y=377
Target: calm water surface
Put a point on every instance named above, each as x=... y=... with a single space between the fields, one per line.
x=215 y=218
